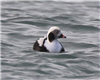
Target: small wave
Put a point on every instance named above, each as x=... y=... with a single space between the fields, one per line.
x=11 y=9
x=74 y=45
x=83 y=28
x=33 y=23
x=62 y=55
x=67 y=0
x=65 y=17
x=6 y=44
x=96 y=20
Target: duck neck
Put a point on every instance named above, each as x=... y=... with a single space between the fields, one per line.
x=55 y=40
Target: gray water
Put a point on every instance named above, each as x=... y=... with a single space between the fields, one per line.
x=23 y=22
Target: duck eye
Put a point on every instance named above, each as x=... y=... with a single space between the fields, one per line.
x=56 y=31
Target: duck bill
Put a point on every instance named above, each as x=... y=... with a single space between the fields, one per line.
x=62 y=36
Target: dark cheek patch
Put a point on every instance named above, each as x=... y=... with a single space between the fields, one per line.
x=51 y=37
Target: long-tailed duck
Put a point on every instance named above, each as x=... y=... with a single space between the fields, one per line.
x=50 y=43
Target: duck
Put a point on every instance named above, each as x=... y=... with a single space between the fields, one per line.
x=49 y=43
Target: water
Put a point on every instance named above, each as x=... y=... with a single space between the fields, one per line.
x=23 y=22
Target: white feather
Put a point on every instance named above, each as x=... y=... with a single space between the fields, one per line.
x=40 y=41
x=53 y=46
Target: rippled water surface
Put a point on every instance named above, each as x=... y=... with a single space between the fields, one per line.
x=23 y=22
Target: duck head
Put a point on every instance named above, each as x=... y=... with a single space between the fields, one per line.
x=54 y=33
